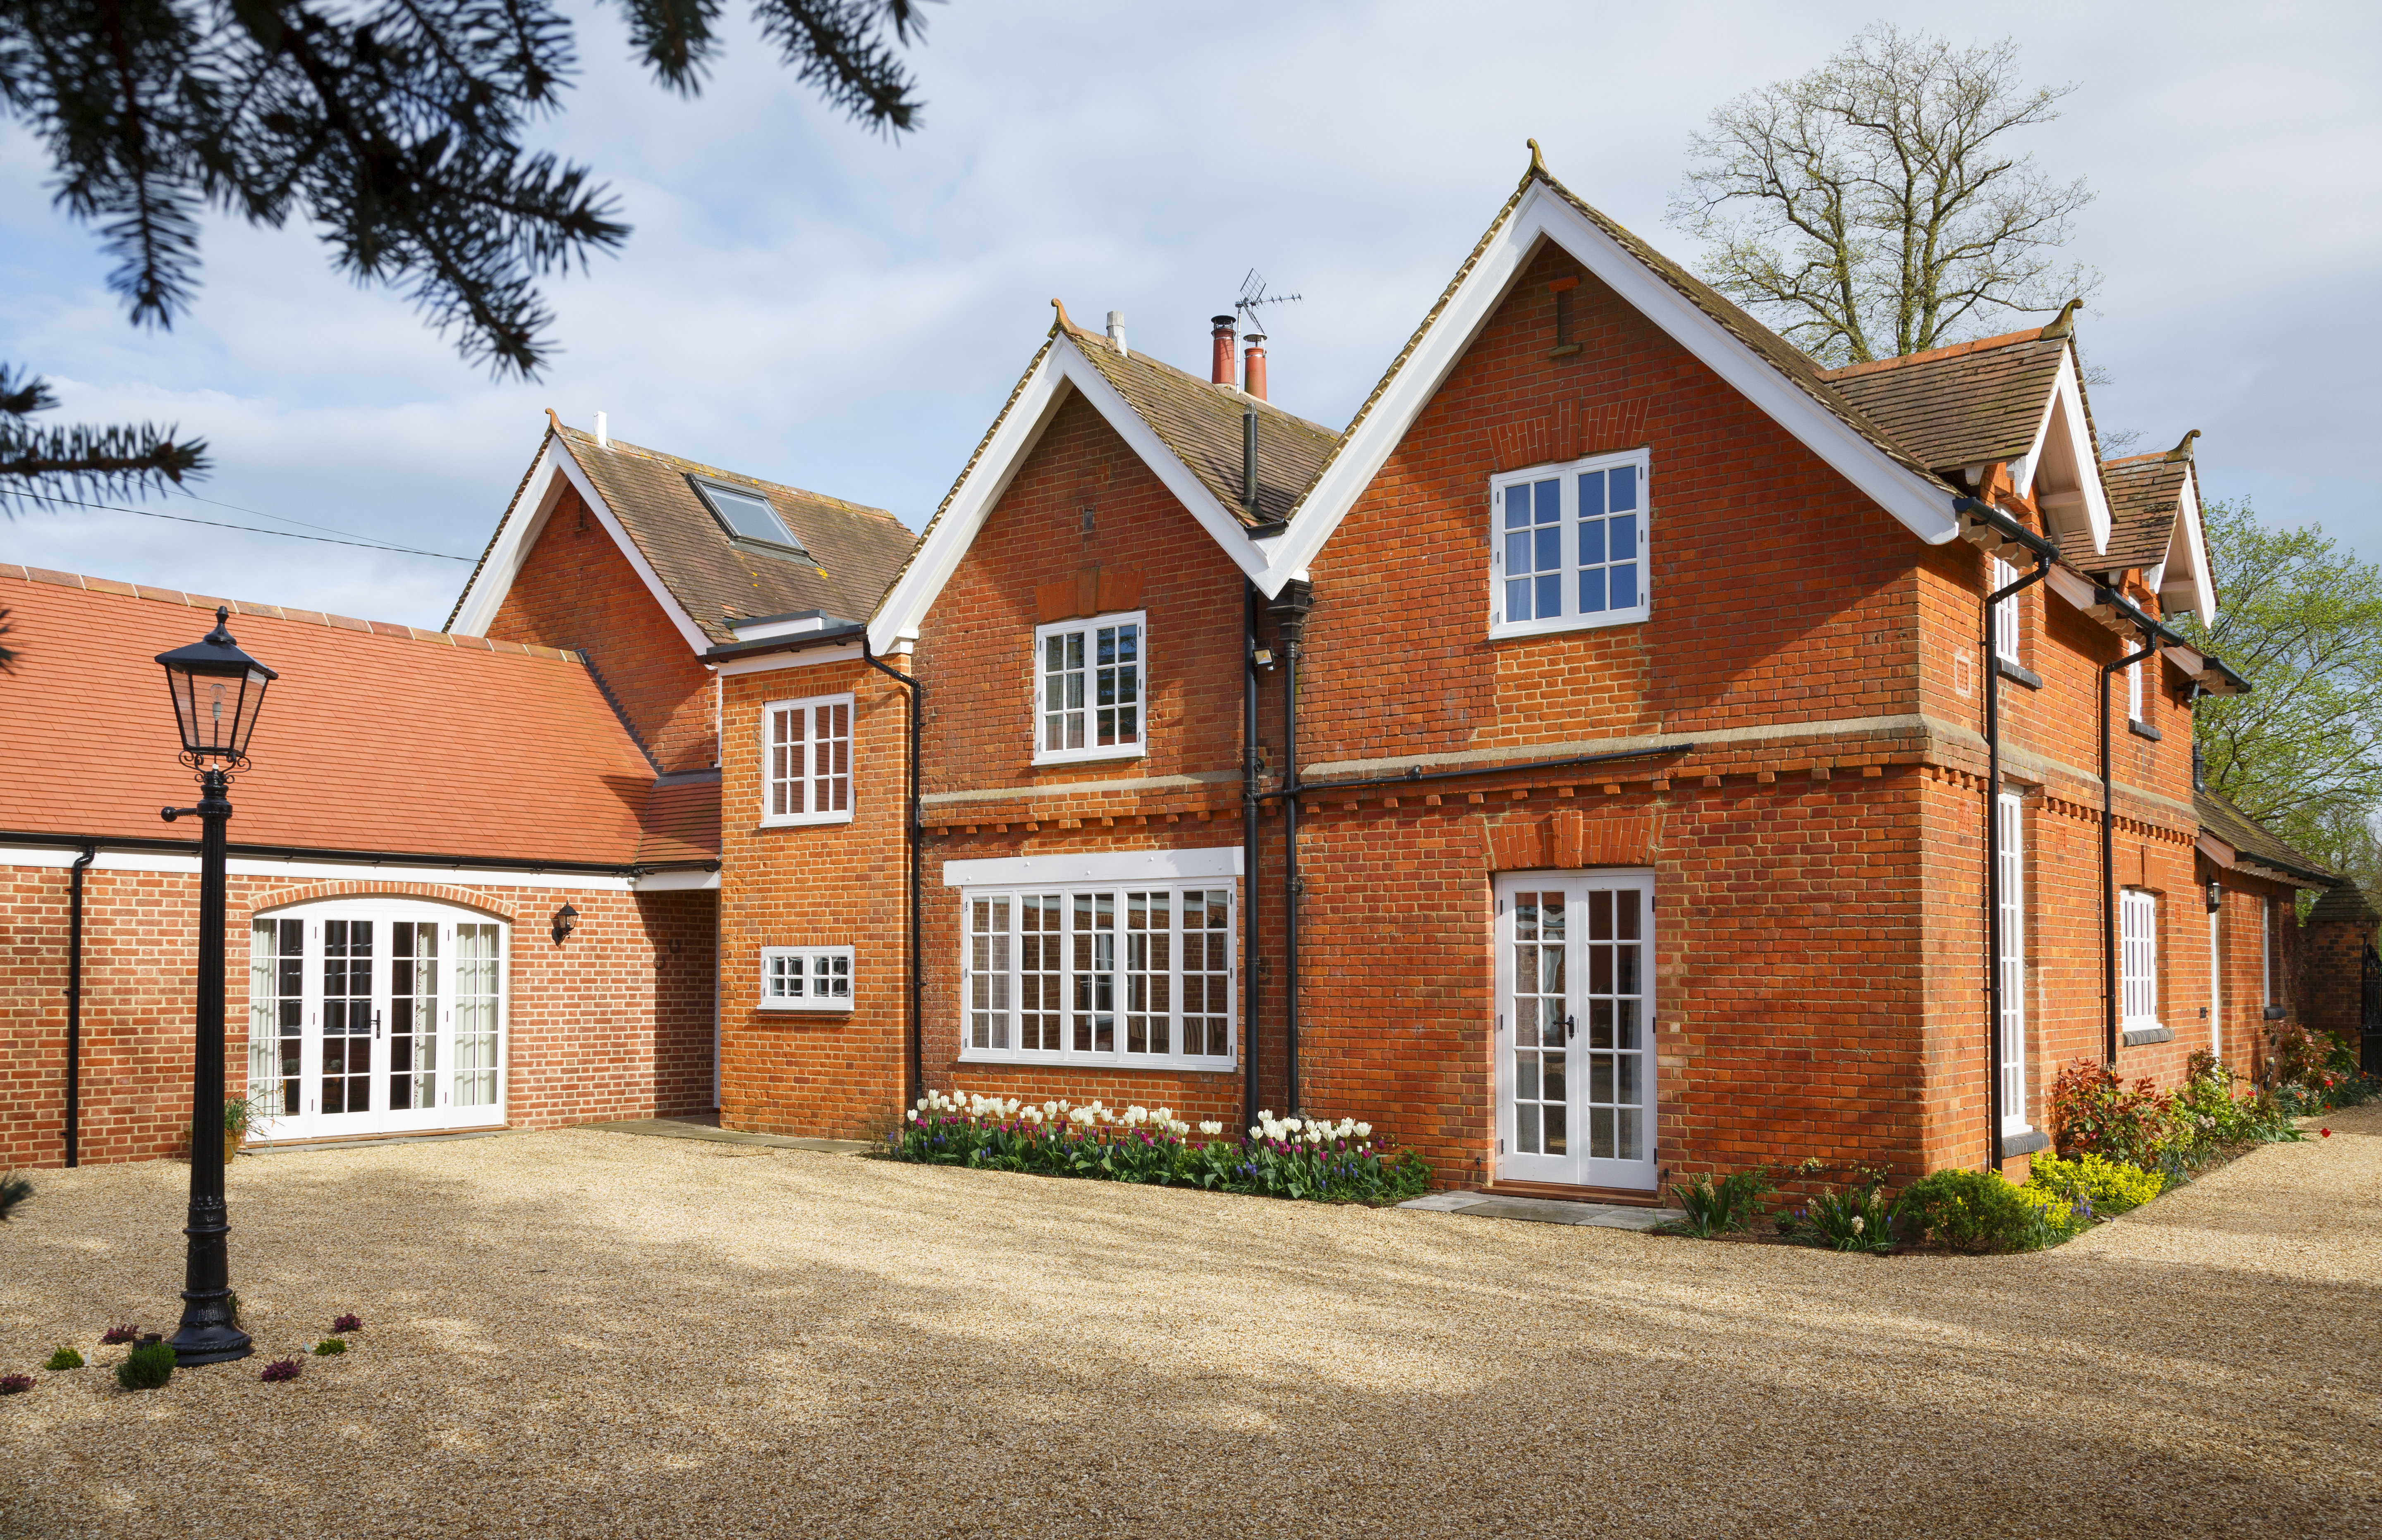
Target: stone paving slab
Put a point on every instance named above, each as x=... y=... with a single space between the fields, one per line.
x=709 y=1130
x=1546 y=1211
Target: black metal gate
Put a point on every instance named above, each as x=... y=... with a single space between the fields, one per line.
x=2369 y=1021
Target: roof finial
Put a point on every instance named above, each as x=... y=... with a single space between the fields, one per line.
x=554 y=423
x=1064 y=323
x=2183 y=451
x=1538 y=162
x=2066 y=325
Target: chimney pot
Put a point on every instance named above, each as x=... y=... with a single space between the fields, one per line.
x=603 y=432
x=1254 y=379
x=1222 y=371
x=1116 y=332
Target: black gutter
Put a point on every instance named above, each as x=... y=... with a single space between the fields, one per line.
x=373 y=858
x=1251 y=805
x=2108 y=847
x=793 y=641
x=914 y=1074
x=74 y=1007
x=1289 y=607
x=2043 y=553
x=1416 y=775
x=2008 y=528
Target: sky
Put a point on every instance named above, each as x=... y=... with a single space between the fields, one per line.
x=809 y=303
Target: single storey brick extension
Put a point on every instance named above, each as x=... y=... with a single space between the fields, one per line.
x=1626 y=749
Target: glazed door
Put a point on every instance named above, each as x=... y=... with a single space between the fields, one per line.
x=1574 y=1031
x=371 y=1019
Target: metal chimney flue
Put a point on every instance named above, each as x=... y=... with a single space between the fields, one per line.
x=1223 y=370
x=1116 y=333
x=603 y=432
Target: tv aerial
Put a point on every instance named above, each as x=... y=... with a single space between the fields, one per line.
x=1254 y=295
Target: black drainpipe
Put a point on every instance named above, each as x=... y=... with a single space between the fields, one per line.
x=2109 y=862
x=74 y=1007
x=1290 y=609
x=1249 y=805
x=914 y=1077
x=1994 y=844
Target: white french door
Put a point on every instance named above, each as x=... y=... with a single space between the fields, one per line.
x=1574 y=1028
x=375 y=1017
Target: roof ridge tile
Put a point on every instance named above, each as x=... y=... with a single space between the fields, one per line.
x=1932 y=355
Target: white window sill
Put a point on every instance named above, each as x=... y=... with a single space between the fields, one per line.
x=805 y=820
x=1085 y=756
x=1098 y=1061
x=789 y=1008
x=1501 y=631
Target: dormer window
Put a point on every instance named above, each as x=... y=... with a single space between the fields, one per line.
x=748 y=519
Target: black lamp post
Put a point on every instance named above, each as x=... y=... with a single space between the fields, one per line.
x=218 y=691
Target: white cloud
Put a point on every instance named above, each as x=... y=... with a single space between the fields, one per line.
x=804 y=301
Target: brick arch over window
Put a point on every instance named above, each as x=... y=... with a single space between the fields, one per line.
x=463 y=898
x=1566 y=841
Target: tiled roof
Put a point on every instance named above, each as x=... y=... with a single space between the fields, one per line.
x=858 y=549
x=2220 y=817
x=682 y=819
x=2145 y=496
x=1201 y=423
x=377 y=737
x=1968 y=404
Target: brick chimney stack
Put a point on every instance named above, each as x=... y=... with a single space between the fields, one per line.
x=1254 y=379
x=1224 y=373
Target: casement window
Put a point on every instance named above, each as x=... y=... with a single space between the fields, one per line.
x=1568 y=546
x=2134 y=692
x=1121 y=973
x=2010 y=937
x=2267 y=993
x=1090 y=680
x=2137 y=950
x=806 y=761
x=2004 y=613
x=806 y=978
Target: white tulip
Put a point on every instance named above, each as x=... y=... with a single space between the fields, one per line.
x=1364 y=1131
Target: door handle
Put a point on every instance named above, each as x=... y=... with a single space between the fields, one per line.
x=1571 y=1028
x=376 y=1026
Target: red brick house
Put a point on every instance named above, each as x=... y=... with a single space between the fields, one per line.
x=1576 y=767
x=1642 y=741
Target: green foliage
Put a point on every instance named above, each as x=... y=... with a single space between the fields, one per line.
x=329 y=1347
x=2093 y=1185
x=2213 y=1114
x=2300 y=618
x=15 y=1188
x=1984 y=1211
x=2095 y=1112
x=64 y=1359
x=146 y=1367
x=1734 y=1202
x=1858 y=1218
x=1288 y=1157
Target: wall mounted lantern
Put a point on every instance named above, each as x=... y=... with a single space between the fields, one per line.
x=2215 y=897
x=566 y=920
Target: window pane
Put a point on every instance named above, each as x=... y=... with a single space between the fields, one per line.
x=1592 y=495
x=1517 y=598
x=1622 y=488
x=1624 y=592
x=1591 y=590
x=1550 y=596
x=1518 y=507
x=1624 y=537
x=1549 y=502
x=1591 y=541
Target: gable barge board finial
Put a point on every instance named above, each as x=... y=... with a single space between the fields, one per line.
x=2183 y=451
x=2065 y=324
x=1538 y=161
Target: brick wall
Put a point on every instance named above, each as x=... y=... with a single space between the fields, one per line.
x=576 y=590
x=614 y=1023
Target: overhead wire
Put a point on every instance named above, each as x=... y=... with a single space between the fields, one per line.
x=251 y=529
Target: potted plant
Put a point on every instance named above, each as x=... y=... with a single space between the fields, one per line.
x=240 y=1114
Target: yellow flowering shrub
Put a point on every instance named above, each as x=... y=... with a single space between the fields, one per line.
x=2105 y=1187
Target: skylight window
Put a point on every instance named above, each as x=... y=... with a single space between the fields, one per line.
x=747 y=516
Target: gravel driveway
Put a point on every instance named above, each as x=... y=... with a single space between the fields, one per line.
x=585 y=1333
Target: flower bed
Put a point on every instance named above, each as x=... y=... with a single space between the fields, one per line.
x=1281 y=1157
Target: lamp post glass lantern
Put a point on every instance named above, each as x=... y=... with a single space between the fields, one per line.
x=218 y=691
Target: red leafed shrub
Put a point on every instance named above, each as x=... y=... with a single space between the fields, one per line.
x=127 y=1333
x=281 y=1369
x=2093 y=1112
x=349 y=1323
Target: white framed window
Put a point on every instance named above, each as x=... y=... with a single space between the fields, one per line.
x=806 y=761
x=1567 y=545
x=2266 y=990
x=1091 y=679
x=2137 y=950
x=806 y=978
x=2133 y=691
x=2011 y=937
x=2004 y=613
x=1125 y=972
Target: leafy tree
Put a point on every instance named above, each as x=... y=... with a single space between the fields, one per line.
x=395 y=128
x=1871 y=207
x=2301 y=619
